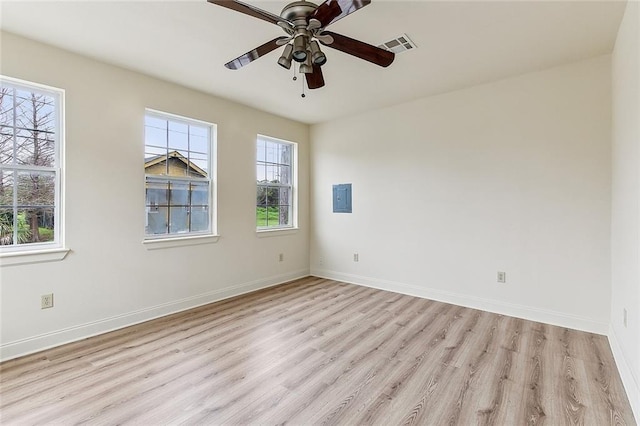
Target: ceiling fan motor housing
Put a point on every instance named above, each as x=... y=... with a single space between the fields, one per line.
x=297 y=12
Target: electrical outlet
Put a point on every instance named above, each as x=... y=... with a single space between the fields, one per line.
x=46 y=301
x=356 y=257
x=281 y=257
x=624 y=317
x=502 y=277
x=321 y=261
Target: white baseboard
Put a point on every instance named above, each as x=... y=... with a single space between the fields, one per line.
x=526 y=312
x=71 y=334
x=629 y=380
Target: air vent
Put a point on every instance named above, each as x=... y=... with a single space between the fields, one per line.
x=400 y=44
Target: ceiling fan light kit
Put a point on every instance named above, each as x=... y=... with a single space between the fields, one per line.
x=305 y=24
x=300 y=48
x=285 y=59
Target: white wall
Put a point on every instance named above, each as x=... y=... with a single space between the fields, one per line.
x=109 y=279
x=625 y=225
x=510 y=176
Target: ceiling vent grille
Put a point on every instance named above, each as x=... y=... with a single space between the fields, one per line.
x=400 y=44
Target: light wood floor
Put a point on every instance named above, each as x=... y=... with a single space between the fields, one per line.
x=319 y=351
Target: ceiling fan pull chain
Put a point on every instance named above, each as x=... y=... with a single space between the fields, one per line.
x=303 y=95
x=294 y=74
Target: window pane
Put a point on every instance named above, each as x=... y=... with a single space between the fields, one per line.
x=6 y=125
x=199 y=218
x=157 y=220
x=178 y=140
x=199 y=144
x=178 y=163
x=284 y=175
x=272 y=174
x=179 y=220
x=6 y=145
x=156 y=122
x=176 y=126
x=179 y=193
x=283 y=219
x=6 y=227
x=6 y=188
x=266 y=216
x=35 y=123
x=261 y=197
x=6 y=106
x=36 y=189
x=285 y=154
x=261 y=172
x=35 y=225
x=152 y=152
x=271 y=152
x=260 y=154
x=273 y=196
x=199 y=166
x=199 y=194
x=157 y=193
x=272 y=216
x=261 y=219
x=283 y=196
x=155 y=136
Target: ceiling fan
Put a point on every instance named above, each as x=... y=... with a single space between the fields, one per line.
x=305 y=24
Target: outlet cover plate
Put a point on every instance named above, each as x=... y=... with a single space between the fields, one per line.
x=46 y=301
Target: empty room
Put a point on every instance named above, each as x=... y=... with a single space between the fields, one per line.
x=342 y=212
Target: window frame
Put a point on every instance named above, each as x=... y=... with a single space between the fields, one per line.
x=153 y=241
x=49 y=250
x=293 y=187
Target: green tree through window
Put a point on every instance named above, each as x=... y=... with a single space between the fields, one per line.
x=274 y=171
x=29 y=165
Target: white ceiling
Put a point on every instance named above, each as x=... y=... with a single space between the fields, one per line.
x=459 y=44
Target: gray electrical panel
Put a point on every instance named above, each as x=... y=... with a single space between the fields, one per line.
x=342 y=198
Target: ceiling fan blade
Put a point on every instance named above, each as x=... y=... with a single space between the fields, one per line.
x=359 y=49
x=332 y=10
x=315 y=80
x=254 y=54
x=247 y=9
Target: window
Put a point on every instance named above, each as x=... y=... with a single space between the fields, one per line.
x=275 y=198
x=30 y=166
x=178 y=171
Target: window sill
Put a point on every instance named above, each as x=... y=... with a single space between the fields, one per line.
x=266 y=233
x=35 y=256
x=193 y=240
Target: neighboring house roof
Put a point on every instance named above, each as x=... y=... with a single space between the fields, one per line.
x=174 y=154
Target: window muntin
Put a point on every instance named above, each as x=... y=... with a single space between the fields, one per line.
x=30 y=166
x=275 y=161
x=178 y=176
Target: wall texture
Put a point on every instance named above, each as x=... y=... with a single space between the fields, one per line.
x=511 y=176
x=109 y=279
x=625 y=224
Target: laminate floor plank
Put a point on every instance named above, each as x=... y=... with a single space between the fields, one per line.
x=318 y=351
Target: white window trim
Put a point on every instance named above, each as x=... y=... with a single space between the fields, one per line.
x=33 y=256
x=54 y=251
x=273 y=231
x=161 y=241
x=180 y=241
x=276 y=232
